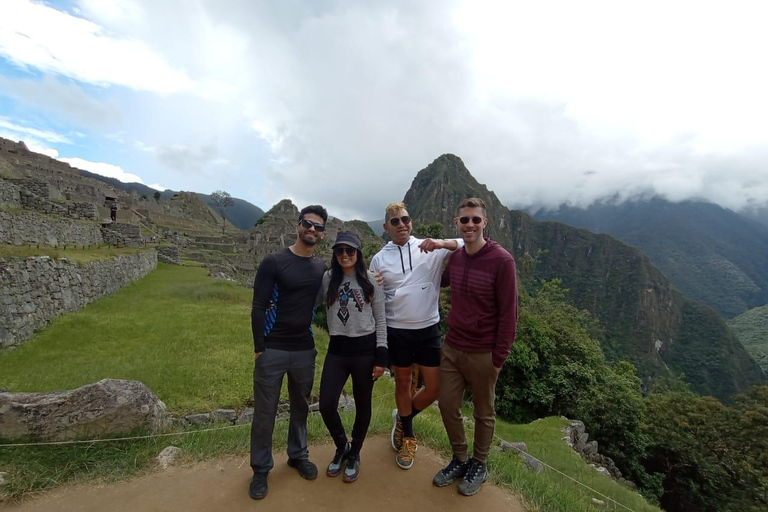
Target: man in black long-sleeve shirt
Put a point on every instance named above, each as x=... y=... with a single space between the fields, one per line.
x=284 y=344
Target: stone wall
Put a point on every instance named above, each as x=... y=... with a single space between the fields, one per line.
x=168 y=254
x=122 y=234
x=31 y=228
x=35 y=290
x=9 y=194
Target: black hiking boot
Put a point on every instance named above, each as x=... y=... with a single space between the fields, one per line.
x=455 y=469
x=477 y=473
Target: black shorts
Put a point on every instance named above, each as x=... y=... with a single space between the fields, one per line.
x=419 y=346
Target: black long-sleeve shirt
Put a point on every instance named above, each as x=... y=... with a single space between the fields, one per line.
x=291 y=282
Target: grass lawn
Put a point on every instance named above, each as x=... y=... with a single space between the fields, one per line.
x=188 y=338
x=81 y=255
x=176 y=330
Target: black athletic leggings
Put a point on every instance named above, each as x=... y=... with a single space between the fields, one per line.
x=336 y=370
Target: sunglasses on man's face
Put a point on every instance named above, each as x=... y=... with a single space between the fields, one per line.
x=349 y=251
x=475 y=220
x=308 y=224
x=395 y=221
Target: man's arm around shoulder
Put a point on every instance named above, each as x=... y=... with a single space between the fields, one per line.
x=432 y=244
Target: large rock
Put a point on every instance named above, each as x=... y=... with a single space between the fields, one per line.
x=109 y=406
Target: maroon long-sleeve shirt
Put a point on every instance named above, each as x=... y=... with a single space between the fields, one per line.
x=483 y=315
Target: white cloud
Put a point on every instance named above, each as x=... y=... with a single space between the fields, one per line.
x=103 y=169
x=63 y=99
x=46 y=135
x=37 y=147
x=38 y=36
x=342 y=103
x=140 y=146
x=157 y=186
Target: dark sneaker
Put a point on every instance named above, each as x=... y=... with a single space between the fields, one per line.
x=336 y=465
x=477 y=473
x=258 y=488
x=396 y=437
x=455 y=469
x=404 y=457
x=353 y=468
x=307 y=470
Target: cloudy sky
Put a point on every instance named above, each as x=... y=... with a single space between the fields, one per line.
x=342 y=102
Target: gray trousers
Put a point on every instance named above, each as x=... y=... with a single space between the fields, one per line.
x=268 y=374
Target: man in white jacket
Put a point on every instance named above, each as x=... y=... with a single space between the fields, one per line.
x=411 y=270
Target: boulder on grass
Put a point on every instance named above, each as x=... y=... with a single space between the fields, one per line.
x=107 y=407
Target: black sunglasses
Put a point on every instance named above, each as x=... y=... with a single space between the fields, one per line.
x=395 y=221
x=475 y=220
x=339 y=251
x=308 y=224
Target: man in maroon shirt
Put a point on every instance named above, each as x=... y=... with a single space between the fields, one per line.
x=481 y=330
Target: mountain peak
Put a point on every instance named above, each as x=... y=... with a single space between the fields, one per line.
x=284 y=207
x=438 y=189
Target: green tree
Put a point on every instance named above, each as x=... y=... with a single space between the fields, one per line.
x=222 y=200
x=554 y=362
x=712 y=457
x=157 y=195
x=433 y=230
x=556 y=367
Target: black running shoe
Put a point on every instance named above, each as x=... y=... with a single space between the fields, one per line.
x=337 y=464
x=353 y=468
x=307 y=470
x=258 y=488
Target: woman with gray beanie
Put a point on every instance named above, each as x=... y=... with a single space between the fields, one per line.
x=355 y=309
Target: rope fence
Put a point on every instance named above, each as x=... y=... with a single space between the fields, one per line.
x=229 y=427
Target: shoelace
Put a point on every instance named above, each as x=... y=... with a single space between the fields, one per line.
x=452 y=467
x=410 y=448
x=473 y=471
x=339 y=455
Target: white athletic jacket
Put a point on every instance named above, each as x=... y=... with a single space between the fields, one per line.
x=411 y=283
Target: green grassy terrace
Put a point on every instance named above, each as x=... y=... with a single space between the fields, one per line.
x=188 y=338
x=75 y=253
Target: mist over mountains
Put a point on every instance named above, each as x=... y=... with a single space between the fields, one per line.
x=712 y=254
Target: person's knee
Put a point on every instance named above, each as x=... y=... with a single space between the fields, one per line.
x=485 y=414
x=327 y=405
x=402 y=379
x=431 y=392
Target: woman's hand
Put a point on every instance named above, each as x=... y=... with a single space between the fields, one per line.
x=378 y=371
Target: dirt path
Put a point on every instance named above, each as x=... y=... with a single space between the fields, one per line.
x=223 y=485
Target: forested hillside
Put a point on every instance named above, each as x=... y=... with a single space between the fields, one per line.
x=752 y=330
x=710 y=253
x=642 y=316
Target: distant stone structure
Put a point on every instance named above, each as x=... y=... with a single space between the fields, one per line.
x=32 y=228
x=35 y=290
x=168 y=254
